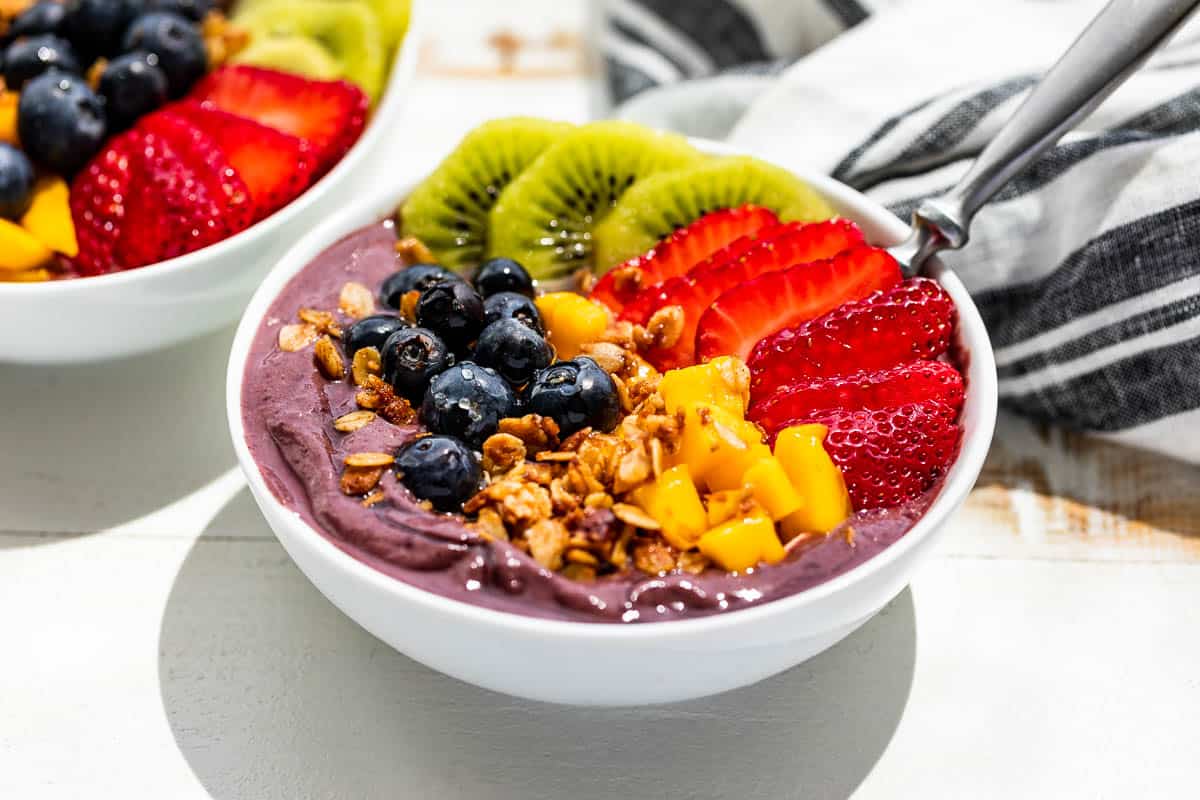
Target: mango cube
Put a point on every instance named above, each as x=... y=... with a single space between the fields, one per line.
x=801 y=451
x=571 y=321
x=718 y=446
x=772 y=489
x=723 y=382
x=8 y=117
x=742 y=543
x=673 y=501
x=49 y=217
x=20 y=250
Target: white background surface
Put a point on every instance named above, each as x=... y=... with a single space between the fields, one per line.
x=157 y=642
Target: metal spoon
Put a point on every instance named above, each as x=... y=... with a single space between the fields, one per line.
x=1111 y=48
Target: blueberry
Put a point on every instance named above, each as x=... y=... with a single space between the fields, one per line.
x=132 y=86
x=371 y=331
x=440 y=469
x=16 y=182
x=195 y=10
x=178 y=45
x=503 y=275
x=45 y=16
x=510 y=305
x=575 y=394
x=513 y=350
x=29 y=57
x=416 y=278
x=60 y=121
x=411 y=358
x=452 y=310
x=95 y=27
x=469 y=401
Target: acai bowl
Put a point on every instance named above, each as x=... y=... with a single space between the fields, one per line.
x=660 y=581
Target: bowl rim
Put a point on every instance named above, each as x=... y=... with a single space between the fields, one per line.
x=390 y=105
x=959 y=482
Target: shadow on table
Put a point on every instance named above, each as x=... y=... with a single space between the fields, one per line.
x=271 y=692
x=88 y=447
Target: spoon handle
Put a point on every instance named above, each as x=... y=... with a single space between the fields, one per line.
x=1110 y=49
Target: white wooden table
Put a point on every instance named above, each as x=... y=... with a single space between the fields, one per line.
x=157 y=642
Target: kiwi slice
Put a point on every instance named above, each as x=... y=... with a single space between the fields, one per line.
x=449 y=210
x=297 y=54
x=660 y=204
x=348 y=30
x=545 y=218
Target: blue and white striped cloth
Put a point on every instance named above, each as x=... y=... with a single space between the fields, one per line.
x=1086 y=268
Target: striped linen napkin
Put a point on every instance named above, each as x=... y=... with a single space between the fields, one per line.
x=1086 y=268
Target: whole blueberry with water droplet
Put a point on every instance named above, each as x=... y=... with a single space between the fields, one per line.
x=575 y=394
x=510 y=305
x=454 y=311
x=26 y=58
x=372 y=331
x=440 y=469
x=503 y=275
x=411 y=358
x=415 y=278
x=514 y=350
x=468 y=401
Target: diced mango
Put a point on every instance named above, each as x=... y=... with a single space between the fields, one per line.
x=673 y=501
x=49 y=217
x=772 y=489
x=8 y=117
x=571 y=321
x=724 y=506
x=801 y=451
x=28 y=276
x=20 y=250
x=718 y=446
x=722 y=382
x=741 y=543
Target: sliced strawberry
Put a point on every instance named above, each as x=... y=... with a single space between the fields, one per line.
x=741 y=317
x=680 y=251
x=330 y=115
x=99 y=195
x=912 y=320
x=694 y=293
x=888 y=456
x=912 y=382
x=277 y=167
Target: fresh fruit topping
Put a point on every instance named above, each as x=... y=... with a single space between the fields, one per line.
x=546 y=216
x=514 y=350
x=681 y=250
x=510 y=305
x=61 y=122
x=744 y=315
x=347 y=31
x=576 y=394
x=195 y=10
x=414 y=278
x=20 y=250
x=449 y=210
x=502 y=275
x=177 y=44
x=571 y=321
x=95 y=27
x=718 y=446
x=330 y=115
x=913 y=382
x=49 y=216
x=826 y=502
x=670 y=200
x=411 y=358
x=742 y=543
x=99 y=198
x=276 y=167
x=26 y=58
x=772 y=489
x=16 y=182
x=469 y=401
x=44 y=16
x=696 y=292
x=8 y=117
x=439 y=469
x=132 y=86
x=454 y=311
x=372 y=331
x=673 y=502
x=722 y=382
x=910 y=321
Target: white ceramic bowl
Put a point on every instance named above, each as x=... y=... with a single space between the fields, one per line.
x=616 y=664
x=153 y=307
